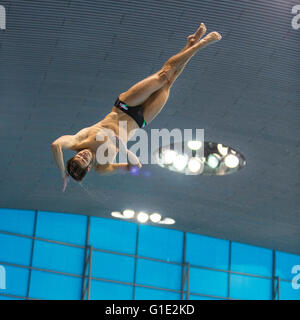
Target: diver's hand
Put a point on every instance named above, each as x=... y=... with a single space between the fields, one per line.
x=133 y=160
x=65 y=182
x=131 y=166
x=139 y=165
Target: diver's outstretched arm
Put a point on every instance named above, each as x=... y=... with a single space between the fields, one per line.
x=115 y=167
x=64 y=142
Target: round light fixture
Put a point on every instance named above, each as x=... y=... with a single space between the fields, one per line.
x=117 y=214
x=194 y=144
x=180 y=162
x=167 y=221
x=142 y=217
x=169 y=156
x=155 y=217
x=231 y=161
x=194 y=165
x=128 y=214
x=213 y=160
x=222 y=149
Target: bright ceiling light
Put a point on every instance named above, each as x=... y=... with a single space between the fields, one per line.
x=167 y=221
x=194 y=145
x=213 y=160
x=142 y=217
x=117 y=214
x=231 y=161
x=222 y=149
x=128 y=214
x=169 y=156
x=194 y=165
x=155 y=217
x=180 y=162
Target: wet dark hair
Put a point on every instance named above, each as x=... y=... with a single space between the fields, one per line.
x=75 y=170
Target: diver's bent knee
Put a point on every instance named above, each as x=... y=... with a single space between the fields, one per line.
x=165 y=74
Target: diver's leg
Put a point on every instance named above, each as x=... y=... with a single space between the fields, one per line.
x=155 y=103
x=191 y=40
x=141 y=91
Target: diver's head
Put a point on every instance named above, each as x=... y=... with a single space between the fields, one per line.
x=80 y=164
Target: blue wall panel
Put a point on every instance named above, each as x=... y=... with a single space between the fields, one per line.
x=17 y=221
x=16 y=281
x=208 y=282
x=113 y=235
x=287 y=292
x=285 y=263
x=194 y=297
x=152 y=294
x=250 y=288
x=8 y=298
x=121 y=236
x=207 y=251
x=158 y=274
x=45 y=285
x=101 y=290
x=63 y=227
x=160 y=243
x=15 y=249
x=250 y=259
x=112 y=267
x=58 y=257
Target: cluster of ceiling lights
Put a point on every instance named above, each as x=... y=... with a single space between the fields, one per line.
x=214 y=159
x=142 y=216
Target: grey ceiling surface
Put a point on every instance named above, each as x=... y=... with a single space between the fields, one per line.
x=63 y=64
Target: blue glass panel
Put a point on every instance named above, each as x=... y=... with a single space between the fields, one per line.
x=152 y=294
x=285 y=263
x=250 y=288
x=206 y=251
x=15 y=249
x=53 y=286
x=16 y=281
x=8 y=298
x=58 y=257
x=194 y=297
x=250 y=259
x=208 y=282
x=101 y=290
x=112 y=267
x=160 y=243
x=113 y=235
x=17 y=221
x=287 y=292
x=158 y=274
x=63 y=227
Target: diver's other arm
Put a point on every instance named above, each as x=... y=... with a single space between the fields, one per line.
x=115 y=167
x=131 y=157
x=66 y=142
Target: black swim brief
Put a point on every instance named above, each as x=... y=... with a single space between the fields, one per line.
x=136 y=113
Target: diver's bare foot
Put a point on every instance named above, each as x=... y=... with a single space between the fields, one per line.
x=208 y=39
x=212 y=37
x=193 y=38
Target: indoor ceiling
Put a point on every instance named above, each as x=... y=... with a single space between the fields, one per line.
x=63 y=64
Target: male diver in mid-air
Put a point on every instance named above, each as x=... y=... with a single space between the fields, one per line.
x=138 y=106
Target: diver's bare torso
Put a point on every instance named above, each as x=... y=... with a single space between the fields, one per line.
x=114 y=121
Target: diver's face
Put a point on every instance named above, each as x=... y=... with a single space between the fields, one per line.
x=84 y=157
